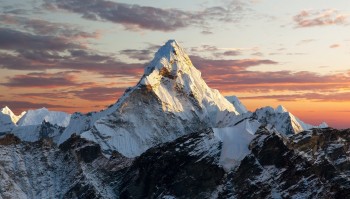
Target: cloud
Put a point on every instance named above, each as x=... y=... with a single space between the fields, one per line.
x=237 y=76
x=135 y=17
x=305 y=41
x=14 y=40
x=320 y=97
x=42 y=27
x=19 y=106
x=141 y=54
x=334 y=46
x=240 y=64
x=222 y=52
x=99 y=93
x=312 y=18
x=91 y=92
x=207 y=32
x=26 y=51
x=42 y=80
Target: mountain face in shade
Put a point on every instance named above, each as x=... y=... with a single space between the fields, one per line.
x=240 y=108
x=171 y=136
x=312 y=164
x=35 y=117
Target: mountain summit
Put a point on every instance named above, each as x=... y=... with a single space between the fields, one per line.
x=8 y=120
x=170 y=100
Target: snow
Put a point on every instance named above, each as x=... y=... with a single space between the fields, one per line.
x=121 y=140
x=28 y=133
x=14 y=118
x=174 y=60
x=282 y=121
x=281 y=109
x=80 y=123
x=323 y=125
x=8 y=120
x=240 y=108
x=36 y=117
x=236 y=142
x=175 y=101
x=33 y=133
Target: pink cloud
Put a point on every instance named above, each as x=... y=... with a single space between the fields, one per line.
x=311 y=18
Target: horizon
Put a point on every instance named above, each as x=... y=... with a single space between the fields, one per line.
x=75 y=57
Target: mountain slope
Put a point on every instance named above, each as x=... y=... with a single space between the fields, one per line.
x=240 y=108
x=282 y=120
x=36 y=117
x=40 y=169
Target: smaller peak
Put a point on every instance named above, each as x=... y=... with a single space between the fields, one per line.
x=6 y=110
x=281 y=109
x=323 y=125
x=232 y=98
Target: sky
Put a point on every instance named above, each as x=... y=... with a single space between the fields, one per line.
x=81 y=55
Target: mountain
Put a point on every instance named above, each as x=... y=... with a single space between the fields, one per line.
x=8 y=120
x=170 y=100
x=36 y=117
x=311 y=164
x=276 y=168
x=14 y=118
x=282 y=120
x=171 y=136
x=33 y=133
x=34 y=125
x=240 y=108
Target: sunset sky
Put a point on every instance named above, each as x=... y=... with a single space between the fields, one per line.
x=80 y=55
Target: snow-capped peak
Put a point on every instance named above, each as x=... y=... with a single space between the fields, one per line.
x=281 y=109
x=323 y=125
x=171 y=52
x=240 y=108
x=6 y=110
x=171 y=72
x=14 y=118
x=36 y=117
x=169 y=61
x=282 y=120
x=170 y=100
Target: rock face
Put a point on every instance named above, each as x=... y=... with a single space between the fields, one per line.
x=186 y=168
x=76 y=169
x=34 y=133
x=310 y=165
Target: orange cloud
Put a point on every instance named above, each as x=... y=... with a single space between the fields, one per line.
x=334 y=46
